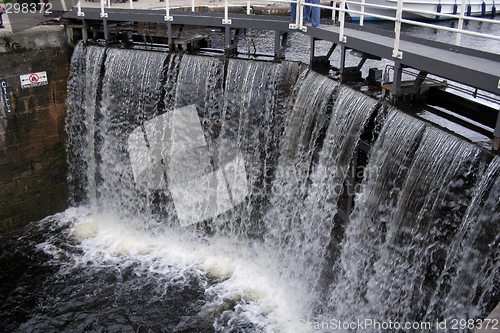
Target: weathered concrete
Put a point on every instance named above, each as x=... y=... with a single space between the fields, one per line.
x=36 y=38
x=32 y=154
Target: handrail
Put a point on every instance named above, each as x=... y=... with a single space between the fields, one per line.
x=342 y=9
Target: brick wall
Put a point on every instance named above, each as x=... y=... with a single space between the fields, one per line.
x=32 y=155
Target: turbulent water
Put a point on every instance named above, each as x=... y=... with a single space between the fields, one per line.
x=420 y=244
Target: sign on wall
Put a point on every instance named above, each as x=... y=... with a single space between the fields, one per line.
x=33 y=80
x=5 y=97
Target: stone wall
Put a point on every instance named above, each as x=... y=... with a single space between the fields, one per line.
x=32 y=155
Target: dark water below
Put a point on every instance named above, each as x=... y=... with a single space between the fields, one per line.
x=48 y=286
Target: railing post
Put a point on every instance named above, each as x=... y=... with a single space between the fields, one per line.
x=168 y=18
x=79 y=12
x=103 y=13
x=397 y=30
x=131 y=4
x=248 y=7
x=300 y=15
x=192 y=5
x=342 y=38
x=226 y=19
x=362 y=16
x=460 y=23
x=334 y=5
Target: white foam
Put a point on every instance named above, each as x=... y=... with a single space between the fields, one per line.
x=244 y=274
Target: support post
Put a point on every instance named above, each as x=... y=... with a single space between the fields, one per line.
x=311 y=52
x=227 y=38
x=396 y=84
x=85 y=35
x=280 y=39
x=342 y=58
x=231 y=45
x=169 y=34
x=105 y=28
x=320 y=63
x=348 y=73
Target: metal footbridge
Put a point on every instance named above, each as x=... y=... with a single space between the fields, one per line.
x=477 y=69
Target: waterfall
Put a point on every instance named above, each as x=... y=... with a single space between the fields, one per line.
x=417 y=187
x=130 y=92
x=471 y=260
x=388 y=167
x=84 y=86
x=420 y=243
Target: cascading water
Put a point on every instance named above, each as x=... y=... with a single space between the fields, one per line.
x=420 y=245
x=83 y=96
x=409 y=220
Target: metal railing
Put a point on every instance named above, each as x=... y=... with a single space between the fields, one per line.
x=341 y=7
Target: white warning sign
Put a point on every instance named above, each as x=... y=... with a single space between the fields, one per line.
x=33 y=80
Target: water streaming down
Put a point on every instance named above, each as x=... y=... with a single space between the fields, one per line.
x=252 y=118
x=316 y=155
x=387 y=169
x=302 y=139
x=472 y=259
x=279 y=261
x=84 y=85
x=403 y=228
x=131 y=89
x=433 y=199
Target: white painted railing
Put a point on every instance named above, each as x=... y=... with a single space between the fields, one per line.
x=340 y=8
